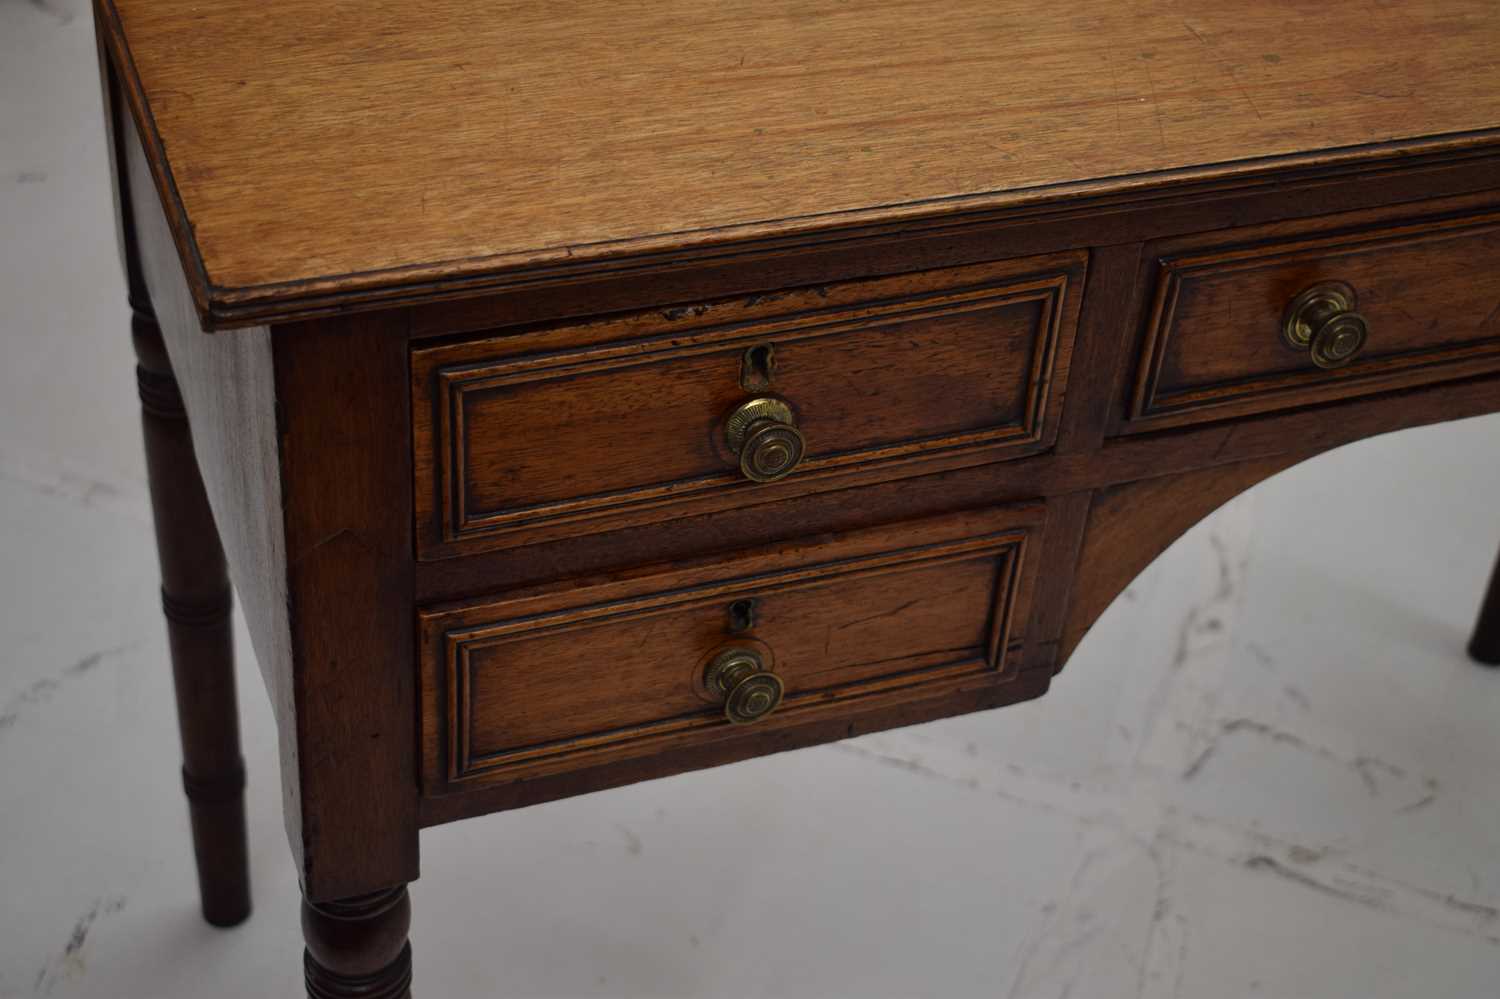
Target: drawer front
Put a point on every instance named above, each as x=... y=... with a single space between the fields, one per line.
x=541 y=434
x=1427 y=289
x=541 y=682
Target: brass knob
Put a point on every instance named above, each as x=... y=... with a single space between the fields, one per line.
x=1324 y=322
x=763 y=433
x=739 y=676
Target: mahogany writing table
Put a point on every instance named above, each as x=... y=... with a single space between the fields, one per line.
x=578 y=394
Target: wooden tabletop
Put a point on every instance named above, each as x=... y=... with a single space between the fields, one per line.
x=319 y=151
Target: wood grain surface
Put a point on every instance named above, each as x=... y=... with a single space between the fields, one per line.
x=307 y=146
x=529 y=435
x=559 y=678
x=957 y=223
x=345 y=464
x=319 y=555
x=983 y=695
x=1131 y=524
x=229 y=391
x=195 y=593
x=1429 y=286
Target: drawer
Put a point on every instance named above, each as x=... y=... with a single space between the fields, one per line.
x=1384 y=304
x=537 y=434
x=562 y=678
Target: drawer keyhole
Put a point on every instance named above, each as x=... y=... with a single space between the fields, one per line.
x=758 y=368
x=741 y=616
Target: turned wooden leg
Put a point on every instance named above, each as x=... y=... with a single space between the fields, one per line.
x=1485 y=647
x=195 y=597
x=357 y=947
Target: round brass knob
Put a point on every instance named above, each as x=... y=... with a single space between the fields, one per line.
x=739 y=676
x=1324 y=322
x=763 y=433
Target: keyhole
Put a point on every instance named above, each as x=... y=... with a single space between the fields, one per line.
x=741 y=616
x=758 y=368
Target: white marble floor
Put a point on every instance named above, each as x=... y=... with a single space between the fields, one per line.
x=1269 y=771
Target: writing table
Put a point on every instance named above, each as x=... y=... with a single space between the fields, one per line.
x=581 y=393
